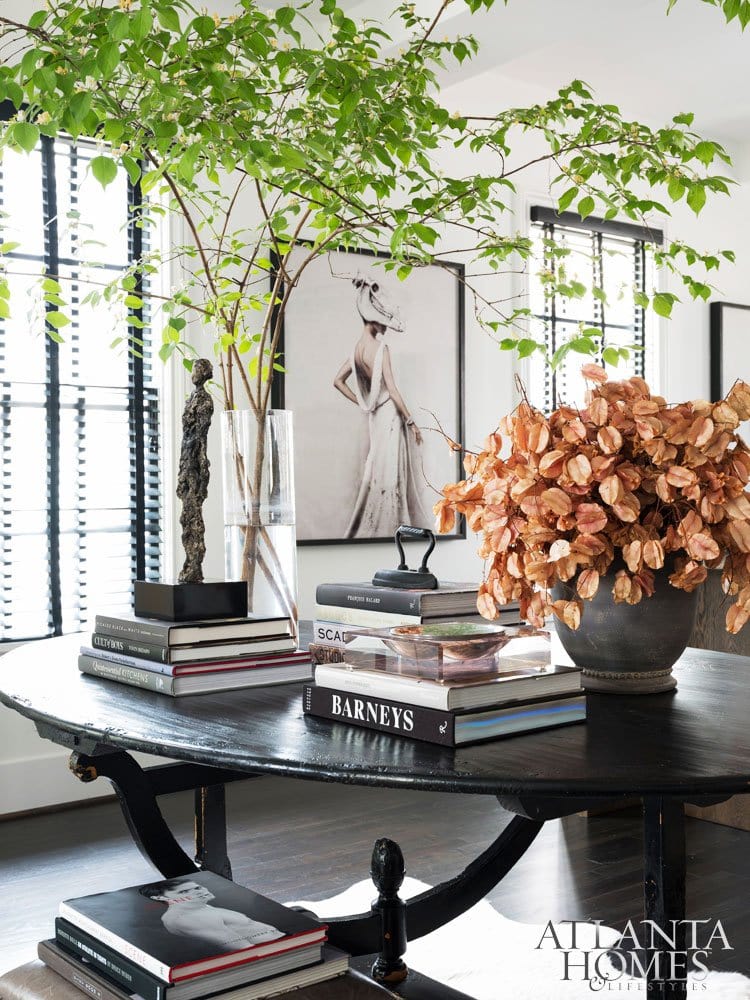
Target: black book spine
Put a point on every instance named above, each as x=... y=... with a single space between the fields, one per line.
x=131 y=647
x=153 y=632
x=344 y=595
x=120 y=970
x=427 y=724
x=90 y=981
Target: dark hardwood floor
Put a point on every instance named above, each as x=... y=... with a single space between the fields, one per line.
x=294 y=839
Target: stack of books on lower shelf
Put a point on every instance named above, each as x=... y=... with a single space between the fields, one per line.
x=195 y=657
x=446 y=692
x=345 y=607
x=187 y=938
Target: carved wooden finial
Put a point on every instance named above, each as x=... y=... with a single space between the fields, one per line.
x=387 y=867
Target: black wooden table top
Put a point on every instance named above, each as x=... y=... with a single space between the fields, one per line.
x=693 y=741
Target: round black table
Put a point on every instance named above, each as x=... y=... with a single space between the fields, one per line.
x=690 y=745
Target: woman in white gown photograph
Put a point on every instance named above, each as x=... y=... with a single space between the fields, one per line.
x=372 y=372
x=389 y=492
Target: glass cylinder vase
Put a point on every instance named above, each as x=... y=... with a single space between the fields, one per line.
x=259 y=516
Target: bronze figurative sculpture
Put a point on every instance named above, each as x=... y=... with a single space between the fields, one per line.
x=194 y=471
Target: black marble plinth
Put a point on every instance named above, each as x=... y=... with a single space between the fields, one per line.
x=181 y=602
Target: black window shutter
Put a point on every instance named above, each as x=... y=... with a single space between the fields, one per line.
x=606 y=255
x=79 y=423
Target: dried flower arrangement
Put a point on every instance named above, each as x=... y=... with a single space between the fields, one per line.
x=628 y=476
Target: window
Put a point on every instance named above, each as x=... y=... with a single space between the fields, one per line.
x=79 y=420
x=612 y=260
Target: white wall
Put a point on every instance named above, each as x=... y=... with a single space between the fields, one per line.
x=33 y=773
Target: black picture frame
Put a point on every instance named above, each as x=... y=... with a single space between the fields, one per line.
x=280 y=396
x=723 y=369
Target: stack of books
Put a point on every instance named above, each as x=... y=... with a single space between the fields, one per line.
x=366 y=606
x=187 y=938
x=197 y=657
x=441 y=700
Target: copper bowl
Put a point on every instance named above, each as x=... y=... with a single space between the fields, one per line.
x=457 y=640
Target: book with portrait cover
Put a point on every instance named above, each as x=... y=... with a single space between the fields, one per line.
x=181 y=928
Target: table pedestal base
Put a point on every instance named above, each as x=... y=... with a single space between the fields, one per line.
x=391 y=922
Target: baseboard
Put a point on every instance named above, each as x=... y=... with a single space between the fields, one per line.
x=735 y=812
x=34 y=783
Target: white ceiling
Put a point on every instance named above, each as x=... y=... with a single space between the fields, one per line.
x=633 y=55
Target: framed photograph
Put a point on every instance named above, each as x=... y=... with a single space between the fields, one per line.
x=730 y=350
x=373 y=368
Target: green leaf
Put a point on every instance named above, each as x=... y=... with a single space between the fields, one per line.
x=133 y=302
x=560 y=354
x=349 y=103
x=203 y=26
x=582 y=345
x=25 y=135
x=611 y=356
x=566 y=199
x=118 y=25
x=9 y=247
x=142 y=22
x=586 y=206
x=696 y=197
x=37 y=19
x=80 y=105
x=104 y=169
x=285 y=16
x=56 y=319
x=425 y=233
x=168 y=18
x=662 y=303
x=675 y=189
x=4 y=309
x=705 y=151
x=526 y=347
x=108 y=58
x=13 y=93
x=133 y=168
x=113 y=130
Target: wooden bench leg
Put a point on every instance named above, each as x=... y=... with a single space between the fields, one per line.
x=211 y=830
x=387 y=871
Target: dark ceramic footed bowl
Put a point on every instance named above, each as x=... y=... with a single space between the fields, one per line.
x=629 y=648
